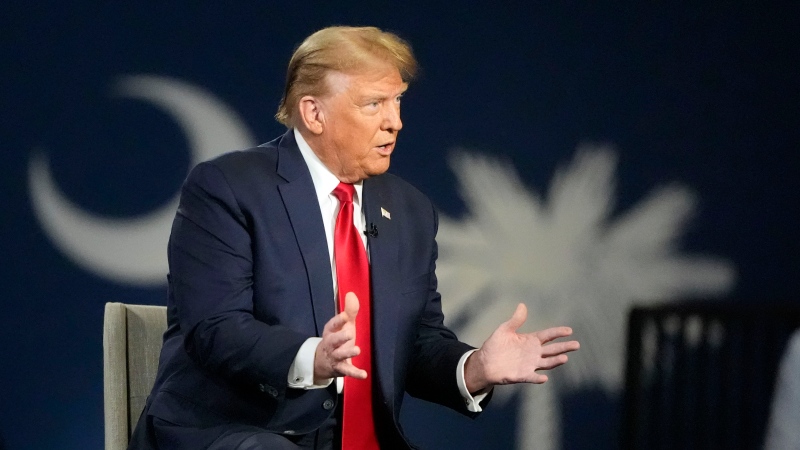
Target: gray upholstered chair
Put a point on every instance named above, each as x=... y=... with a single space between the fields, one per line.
x=131 y=346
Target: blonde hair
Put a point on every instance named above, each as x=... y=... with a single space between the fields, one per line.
x=342 y=49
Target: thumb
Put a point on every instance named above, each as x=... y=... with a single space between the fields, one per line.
x=351 y=305
x=518 y=318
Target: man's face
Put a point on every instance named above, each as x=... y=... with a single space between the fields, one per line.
x=361 y=120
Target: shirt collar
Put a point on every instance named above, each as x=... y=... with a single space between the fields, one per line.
x=324 y=180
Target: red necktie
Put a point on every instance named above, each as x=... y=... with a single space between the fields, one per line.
x=352 y=274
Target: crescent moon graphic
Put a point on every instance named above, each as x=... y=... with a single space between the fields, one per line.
x=133 y=250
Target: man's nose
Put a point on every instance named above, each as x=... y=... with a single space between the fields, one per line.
x=391 y=121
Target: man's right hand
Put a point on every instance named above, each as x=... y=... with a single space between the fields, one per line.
x=338 y=345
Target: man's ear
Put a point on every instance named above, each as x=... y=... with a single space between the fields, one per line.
x=311 y=115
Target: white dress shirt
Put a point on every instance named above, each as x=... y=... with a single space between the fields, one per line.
x=301 y=372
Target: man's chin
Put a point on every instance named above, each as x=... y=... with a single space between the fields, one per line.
x=378 y=169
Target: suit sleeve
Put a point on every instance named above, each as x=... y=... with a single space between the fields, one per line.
x=437 y=350
x=211 y=277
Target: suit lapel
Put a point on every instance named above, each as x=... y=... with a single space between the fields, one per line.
x=383 y=251
x=300 y=200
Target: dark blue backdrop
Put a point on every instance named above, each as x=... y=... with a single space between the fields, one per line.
x=705 y=94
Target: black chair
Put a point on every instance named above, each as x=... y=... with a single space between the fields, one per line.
x=701 y=375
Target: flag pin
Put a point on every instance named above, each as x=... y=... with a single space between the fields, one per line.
x=386 y=214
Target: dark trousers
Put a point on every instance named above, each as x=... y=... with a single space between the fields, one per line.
x=244 y=437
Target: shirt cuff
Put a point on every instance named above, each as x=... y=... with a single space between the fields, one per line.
x=473 y=402
x=301 y=372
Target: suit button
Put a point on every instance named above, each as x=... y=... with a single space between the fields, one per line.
x=327 y=404
x=289 y=432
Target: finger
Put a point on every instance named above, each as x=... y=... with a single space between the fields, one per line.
x=351 y=305
x=553 y=333
x=557 y=348
x=538 y=378
x=347 y=369
x=336 y=323
x=345 y=352
x=552 y=362
x=517 y=319
x=338 y=339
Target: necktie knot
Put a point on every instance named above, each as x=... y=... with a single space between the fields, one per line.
x=344 y=192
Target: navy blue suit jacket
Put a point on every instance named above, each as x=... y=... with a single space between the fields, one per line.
x=250 y=281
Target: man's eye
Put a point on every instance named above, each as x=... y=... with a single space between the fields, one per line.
x=372 y=106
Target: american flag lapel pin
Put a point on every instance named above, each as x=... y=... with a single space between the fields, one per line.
x=385 y=213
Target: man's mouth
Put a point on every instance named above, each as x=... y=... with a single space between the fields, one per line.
x=386 y=148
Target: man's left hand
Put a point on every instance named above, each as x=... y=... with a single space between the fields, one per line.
x=508 y=357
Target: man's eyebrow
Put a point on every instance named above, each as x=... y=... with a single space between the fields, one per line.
x=381 y=96
x=374 y=97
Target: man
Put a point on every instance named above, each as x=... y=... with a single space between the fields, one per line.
x=269 y=243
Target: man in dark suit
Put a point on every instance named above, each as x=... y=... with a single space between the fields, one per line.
x=256 y=355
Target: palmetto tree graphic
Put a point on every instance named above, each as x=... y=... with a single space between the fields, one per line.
x=570 y=261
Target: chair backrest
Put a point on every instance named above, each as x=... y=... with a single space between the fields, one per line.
x=701 y=375
x=132 y=338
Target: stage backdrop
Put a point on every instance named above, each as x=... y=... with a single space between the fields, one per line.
x=583 y=157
